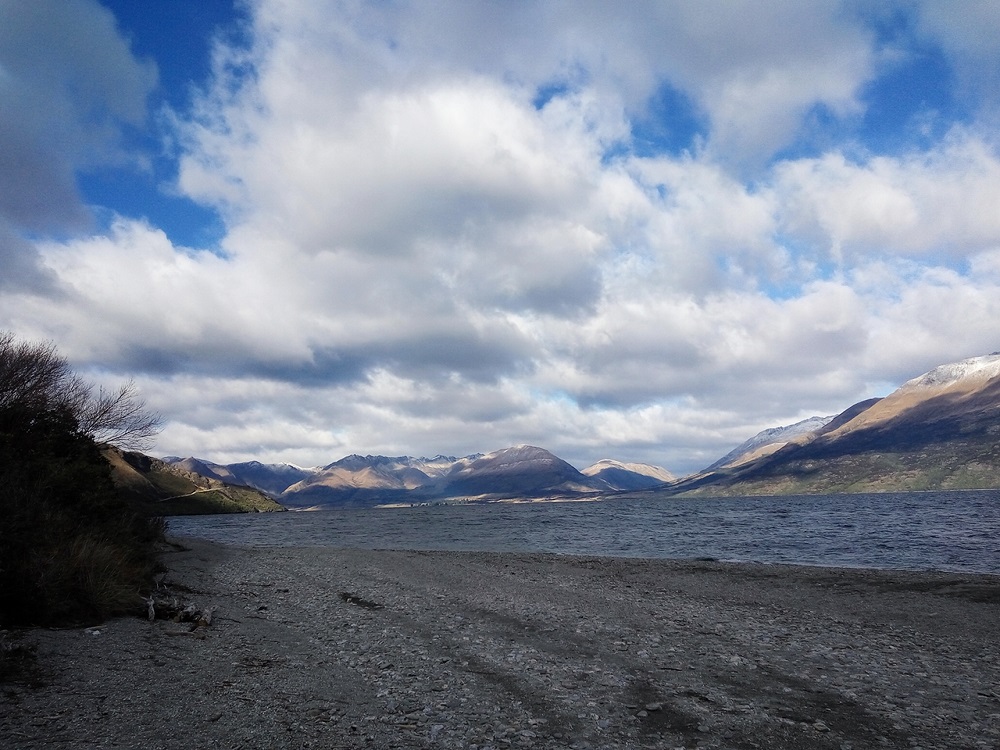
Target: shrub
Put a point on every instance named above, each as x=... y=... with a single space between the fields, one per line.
x=71 y=548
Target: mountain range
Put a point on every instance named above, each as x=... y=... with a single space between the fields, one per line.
x=519 y=472
x=940 y=430
x=272 y=479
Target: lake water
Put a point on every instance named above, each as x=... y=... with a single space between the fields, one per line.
x=950 y=531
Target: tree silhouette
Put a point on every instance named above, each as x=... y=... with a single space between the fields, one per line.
x=35 y=380
x=71 y=547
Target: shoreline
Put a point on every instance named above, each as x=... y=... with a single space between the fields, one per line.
x=318 y=647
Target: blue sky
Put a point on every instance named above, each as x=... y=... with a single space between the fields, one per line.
x=178 y=38
x=643 y=233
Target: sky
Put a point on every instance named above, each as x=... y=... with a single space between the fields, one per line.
x=643 y=231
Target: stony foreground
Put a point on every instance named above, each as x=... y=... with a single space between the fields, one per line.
x=349 y=649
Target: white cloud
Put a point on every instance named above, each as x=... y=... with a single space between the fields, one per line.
x=932 y=315
x=420 y=259
x=940 y=201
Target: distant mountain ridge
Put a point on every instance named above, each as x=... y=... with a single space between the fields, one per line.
x=517 y=472
x=769 y=440
x=512 y=471
x=940 y=430
x=272 y=479
x=629 y=476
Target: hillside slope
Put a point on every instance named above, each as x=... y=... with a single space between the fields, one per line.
x=162 y=489
x=940 y=430
x=769 y=440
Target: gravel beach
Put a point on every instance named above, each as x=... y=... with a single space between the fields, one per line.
x=322 y=648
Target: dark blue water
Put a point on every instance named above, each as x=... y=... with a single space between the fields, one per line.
x=952 y=531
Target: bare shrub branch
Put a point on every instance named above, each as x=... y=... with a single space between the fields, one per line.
x=35 y=376
x=119 y=417
x=35 y=379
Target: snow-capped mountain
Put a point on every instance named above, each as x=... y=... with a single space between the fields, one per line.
x=377 y=473
x=768 y=441
x=270 y=478
x=940 y=430
x=928 y=400
x=976 y=370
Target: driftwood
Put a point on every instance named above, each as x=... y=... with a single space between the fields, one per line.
x=161 y=605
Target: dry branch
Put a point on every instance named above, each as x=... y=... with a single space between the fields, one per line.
x=165 y=607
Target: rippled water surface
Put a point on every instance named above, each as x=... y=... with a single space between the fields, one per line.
x=956 y=531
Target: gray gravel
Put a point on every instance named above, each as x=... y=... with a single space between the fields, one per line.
x=320 y=648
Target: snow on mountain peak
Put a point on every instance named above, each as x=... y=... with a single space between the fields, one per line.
x=976 y=368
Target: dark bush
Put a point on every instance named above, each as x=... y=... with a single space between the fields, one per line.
x=72 y=550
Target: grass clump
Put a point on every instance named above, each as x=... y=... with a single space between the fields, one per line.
x=71 y=549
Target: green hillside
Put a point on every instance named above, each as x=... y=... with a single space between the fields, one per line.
x=164 y=490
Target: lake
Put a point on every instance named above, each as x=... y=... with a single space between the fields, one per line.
x=948 y=531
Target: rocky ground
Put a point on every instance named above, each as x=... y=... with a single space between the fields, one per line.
x=319 y=648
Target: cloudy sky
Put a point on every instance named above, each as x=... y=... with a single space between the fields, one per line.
x=641 y=230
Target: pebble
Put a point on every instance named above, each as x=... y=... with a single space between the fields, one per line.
x=546 y=652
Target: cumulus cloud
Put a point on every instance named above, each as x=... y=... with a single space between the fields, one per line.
x=440 y=236
x=939 y=201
